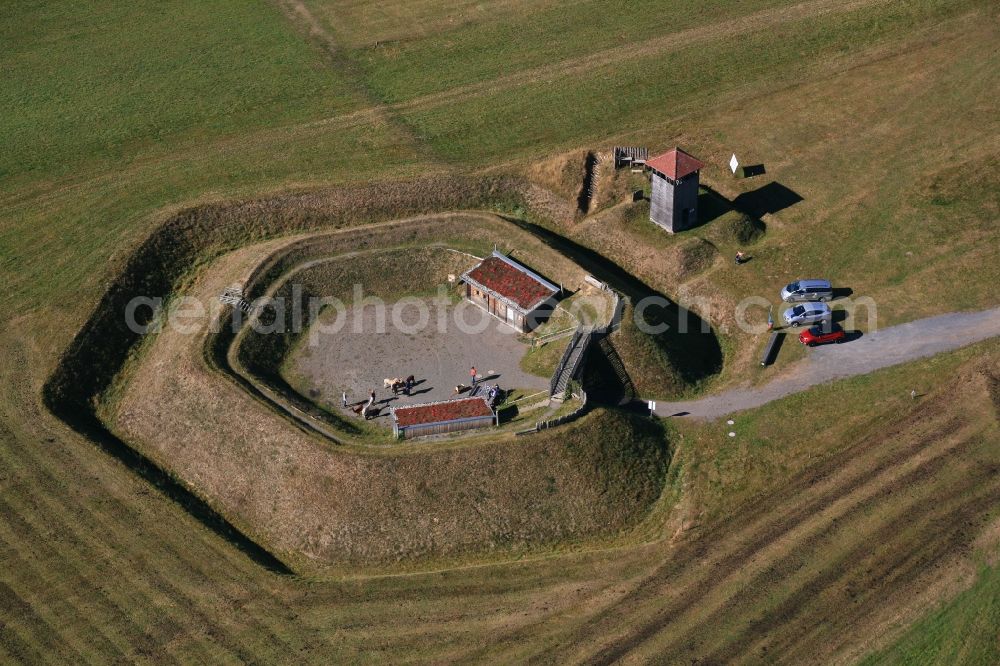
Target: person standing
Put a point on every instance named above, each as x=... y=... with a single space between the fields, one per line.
x=343 y=397
x=472 y=373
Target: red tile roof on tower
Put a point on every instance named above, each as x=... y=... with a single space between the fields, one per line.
x=439 y=412
x=675 y=164
x=512 y=281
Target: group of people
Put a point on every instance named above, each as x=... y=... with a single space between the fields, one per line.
x=406 y=386
x=492 y=394
x=362 y=408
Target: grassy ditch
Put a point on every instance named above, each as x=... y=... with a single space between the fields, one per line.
x=100 y=350
x=337 y=509
x=386 y=274
x=103 y=344
x=330 y=265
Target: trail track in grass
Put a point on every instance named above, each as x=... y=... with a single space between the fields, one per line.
x=730 y=28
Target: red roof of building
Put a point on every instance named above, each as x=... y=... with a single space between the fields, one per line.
x=437 y=412
x=512 y=281
x=675 y=164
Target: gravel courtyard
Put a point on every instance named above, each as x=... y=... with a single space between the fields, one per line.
x=356 y=357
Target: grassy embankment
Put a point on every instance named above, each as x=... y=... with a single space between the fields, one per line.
x=388 y=275
x=304 y=499
x=83 y=582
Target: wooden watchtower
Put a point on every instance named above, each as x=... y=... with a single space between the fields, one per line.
x=674 y=198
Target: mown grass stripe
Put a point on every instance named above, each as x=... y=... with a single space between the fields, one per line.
x=73 y=596
x=152 y=594
x=816 y=565
x=153 y=589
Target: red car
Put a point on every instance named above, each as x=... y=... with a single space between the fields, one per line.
x=822 y=334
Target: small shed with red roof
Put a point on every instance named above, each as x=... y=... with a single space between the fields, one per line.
x=435 y=418
x=510 y=291
x=673 y=202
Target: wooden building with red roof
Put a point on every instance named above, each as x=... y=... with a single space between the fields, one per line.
x=673 y=202
x=436 y=418
x=510 y=292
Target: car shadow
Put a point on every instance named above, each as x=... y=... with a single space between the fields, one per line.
x=851 y=336
x=842 y=292
x=839 y=316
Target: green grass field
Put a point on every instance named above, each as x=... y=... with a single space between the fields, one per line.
x=874 y=542
x=961 y=631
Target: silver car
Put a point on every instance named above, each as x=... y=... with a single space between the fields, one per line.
x=807 y=290
x=807 y=313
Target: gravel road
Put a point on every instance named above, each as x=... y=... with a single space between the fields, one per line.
x=888 y=346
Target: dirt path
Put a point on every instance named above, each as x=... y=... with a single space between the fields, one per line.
x=890 y=346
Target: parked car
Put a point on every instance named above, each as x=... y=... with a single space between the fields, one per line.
x=822 y=334
x=808 y=313
x=807 y=290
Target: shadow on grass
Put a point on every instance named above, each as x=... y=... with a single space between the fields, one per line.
x=507 y=414
x=770 y=198
x=772 y=349
x=711 y=205
x=603 y=382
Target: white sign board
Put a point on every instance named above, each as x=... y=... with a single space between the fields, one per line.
x=734 y=163
x=652 y=405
